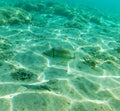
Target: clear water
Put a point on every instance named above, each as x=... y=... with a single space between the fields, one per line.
x=59 y=55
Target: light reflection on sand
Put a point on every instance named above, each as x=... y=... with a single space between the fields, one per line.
x=61 y=65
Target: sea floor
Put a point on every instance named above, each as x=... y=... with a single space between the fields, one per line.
x=54 y=57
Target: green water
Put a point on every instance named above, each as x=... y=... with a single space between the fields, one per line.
x=59 y=56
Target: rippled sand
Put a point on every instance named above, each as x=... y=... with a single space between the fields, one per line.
x=57 y=58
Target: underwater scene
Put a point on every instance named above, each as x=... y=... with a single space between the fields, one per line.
x=59 y=55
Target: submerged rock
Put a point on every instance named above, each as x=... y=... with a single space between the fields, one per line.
x=13 y=16
x=64 y=11
x=29 y=6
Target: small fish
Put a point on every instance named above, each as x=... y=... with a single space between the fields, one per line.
x=59 y=53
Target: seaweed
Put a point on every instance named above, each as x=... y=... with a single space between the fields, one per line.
x=22 y=75
x=90 y=61
x=5 y=49
x=4 y=55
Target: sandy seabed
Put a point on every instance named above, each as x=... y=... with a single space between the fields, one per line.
x=54 y=57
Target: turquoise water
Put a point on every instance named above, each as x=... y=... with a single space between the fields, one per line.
x=59 y=55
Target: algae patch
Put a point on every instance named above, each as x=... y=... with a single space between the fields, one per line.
x=22 y=75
